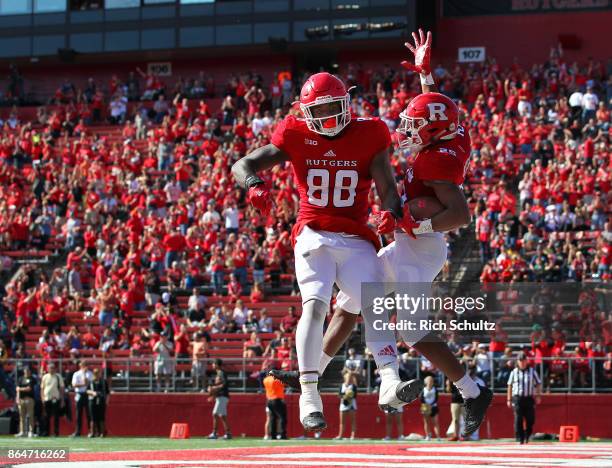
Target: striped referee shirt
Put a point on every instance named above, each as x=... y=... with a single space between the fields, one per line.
x=523 y=381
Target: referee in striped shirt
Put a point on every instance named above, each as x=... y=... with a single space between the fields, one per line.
x=523 y=386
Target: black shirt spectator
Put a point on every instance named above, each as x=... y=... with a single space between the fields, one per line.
x=224 y=392
x=26 y=383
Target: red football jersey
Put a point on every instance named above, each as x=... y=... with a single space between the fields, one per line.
x=333 y=174
x=446 y=160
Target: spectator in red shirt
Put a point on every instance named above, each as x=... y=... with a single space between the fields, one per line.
x=182 y=343
x=484 y=228
x=89 y=339
x=289 y=321
x=174 y=244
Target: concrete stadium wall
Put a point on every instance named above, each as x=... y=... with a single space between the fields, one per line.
x=150 y=414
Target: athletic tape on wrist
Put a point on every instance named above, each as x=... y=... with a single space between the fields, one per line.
x=424 y=227
x=427 y=79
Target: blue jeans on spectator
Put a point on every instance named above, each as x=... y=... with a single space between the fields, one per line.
x=526 y=148
x=106 y=318
x=217 y=280
x=241 y=275
x=259 y=276
x=171 y=256
x=163 y=163
x=598 y=220
x=71 y=242
x=485 y=251
x=587 y=114
x=157 y=267
x=189 y=281
x=510 y=241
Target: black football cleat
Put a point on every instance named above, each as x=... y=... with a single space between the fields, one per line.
x=409 y=390
x=289 y=378
x=475 y=410
x=405 y=392
x=314 y=422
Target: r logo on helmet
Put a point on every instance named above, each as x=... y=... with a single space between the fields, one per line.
x=436 y=111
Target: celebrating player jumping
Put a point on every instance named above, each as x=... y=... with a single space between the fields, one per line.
x=334 y=159
x=432 y=185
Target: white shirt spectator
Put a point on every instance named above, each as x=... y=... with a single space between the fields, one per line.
x=590 y=101
x=575 y=99
x=72 y=225
x=265 y=324
x=483 y=363
x=196 y=302
x=79 y=378
x=231 y=218
x=212 y=217
x=257 y=125
x=118 y=106
x=173 y=192
x=239 y=316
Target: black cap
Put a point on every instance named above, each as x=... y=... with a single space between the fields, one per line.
x=521 y=356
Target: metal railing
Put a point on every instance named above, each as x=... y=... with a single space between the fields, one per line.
x=146 y=374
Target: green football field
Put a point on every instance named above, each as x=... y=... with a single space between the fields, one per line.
x=121 y=444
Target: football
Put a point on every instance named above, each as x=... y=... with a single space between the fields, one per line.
x=425 y=207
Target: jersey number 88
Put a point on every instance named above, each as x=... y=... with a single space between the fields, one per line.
x=343 y=189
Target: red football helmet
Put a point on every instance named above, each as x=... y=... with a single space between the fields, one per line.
x=428 y=118
x=325 y=103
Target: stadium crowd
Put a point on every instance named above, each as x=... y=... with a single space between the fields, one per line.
x=152 y=208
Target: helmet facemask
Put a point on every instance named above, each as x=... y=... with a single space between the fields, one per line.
x=329 y=124
x=409 y=127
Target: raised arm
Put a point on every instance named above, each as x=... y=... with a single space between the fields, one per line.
x=422 y=59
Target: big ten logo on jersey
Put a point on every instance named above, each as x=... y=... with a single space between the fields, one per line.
x=342 y=190
x=308 y=141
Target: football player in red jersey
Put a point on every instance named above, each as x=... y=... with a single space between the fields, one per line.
x=440 y=155
x=334 y=158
